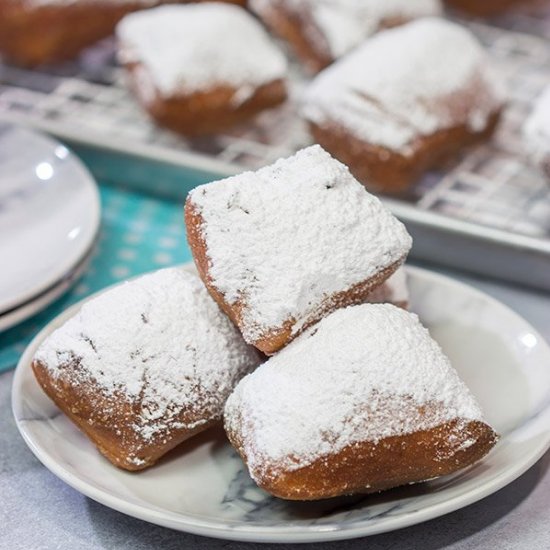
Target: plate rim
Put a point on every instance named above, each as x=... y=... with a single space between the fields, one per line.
x=289 y=533
x=88 y=181
x=32 y=307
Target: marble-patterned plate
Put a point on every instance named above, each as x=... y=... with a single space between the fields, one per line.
x=202 y=487
x=49 y=214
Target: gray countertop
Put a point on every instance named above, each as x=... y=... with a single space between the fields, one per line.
x=38 y=511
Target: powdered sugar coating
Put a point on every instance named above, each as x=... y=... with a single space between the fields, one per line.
x=405 y=83
x=194 y=47
x=536 y=130
x=337 y=26
x=359 y=375
x=159 y=342
x=284 y=238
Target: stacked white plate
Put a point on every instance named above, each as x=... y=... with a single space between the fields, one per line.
x=49 y=221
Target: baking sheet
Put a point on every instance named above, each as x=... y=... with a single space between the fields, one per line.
x=485 y=213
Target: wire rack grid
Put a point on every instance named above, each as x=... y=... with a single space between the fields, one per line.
x=494 y=185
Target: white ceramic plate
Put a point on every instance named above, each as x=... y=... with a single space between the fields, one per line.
x=203 y=488
x=45 y=298
x=49 y=214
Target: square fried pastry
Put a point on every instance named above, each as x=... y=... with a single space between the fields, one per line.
x=404 y=102
x=35 y=32
x=144 y=366
x=362 y=402
x=487 y=8
x=321 y=31
x=201 y=68
x=282 y=247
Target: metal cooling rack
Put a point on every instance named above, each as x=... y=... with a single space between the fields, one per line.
x=495 y=184
x=88 y=101
x=484 y=213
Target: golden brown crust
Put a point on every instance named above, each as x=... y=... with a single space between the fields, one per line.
x=51 y=33
x=207 y=112
x=109 y=422
x=242 y=3
x=383 y=170
x=274 y=340
x=486 y=8
x=371 y=467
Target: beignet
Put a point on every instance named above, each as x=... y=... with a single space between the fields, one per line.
x=363 y=401
x=201 y=68
x=282 y=247
x=144 y=366
x=35 y=32
x=487 y=8
x=404 y=102
x=321 y=31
